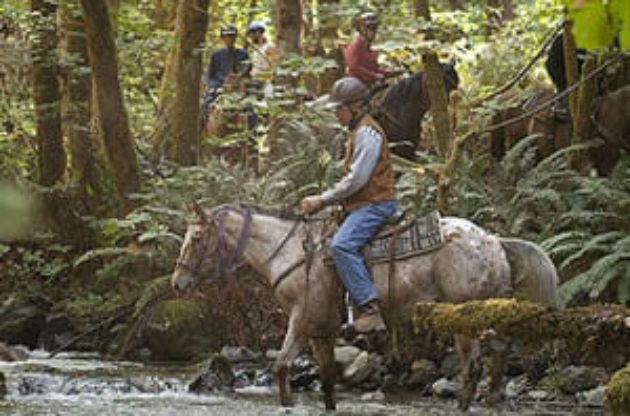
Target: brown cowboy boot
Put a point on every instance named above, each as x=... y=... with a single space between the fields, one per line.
x=370 y=319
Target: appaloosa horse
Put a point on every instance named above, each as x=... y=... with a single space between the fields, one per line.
x=403 y=107
x=471 y=264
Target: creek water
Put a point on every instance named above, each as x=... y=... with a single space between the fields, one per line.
x=77 y=384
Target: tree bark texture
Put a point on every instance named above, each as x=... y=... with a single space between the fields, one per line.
x=582 y=128
x=112 y=117
x=289 y=26
x=77 y=114
x=570 y=66
x=51 y=154
x=436 y=88
x=181 y=102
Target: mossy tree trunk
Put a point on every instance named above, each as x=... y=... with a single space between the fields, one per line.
x=77 y=113
x=180 y=115
x=582 y=129
x=112 y=116
x=436 y=89
x=288 y=26
x=47 y=97
x=570 y=66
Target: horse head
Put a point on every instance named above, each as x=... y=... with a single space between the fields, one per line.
x=200 y=238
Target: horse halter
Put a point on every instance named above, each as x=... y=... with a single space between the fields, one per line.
x=224 y=260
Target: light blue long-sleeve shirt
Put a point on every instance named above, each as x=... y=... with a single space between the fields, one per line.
x=365 y=156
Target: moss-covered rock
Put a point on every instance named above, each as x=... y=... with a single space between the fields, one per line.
x=594 y=335
x=618 y=392
x=175 y=330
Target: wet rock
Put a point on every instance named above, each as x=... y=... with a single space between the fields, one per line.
x=593 y=397
x=14 y=353
x=360 y=369
x=32 y=385
x=239 y=354
x=3 y=386
x=573 y=379
x=304 y=374
x=516 y=387
x=244 y=378
x=217 y=377
x=373 y=396
x=22 y=319
x=581 y=378
x=272 y=354
x=176 y=330
x=539 y=395
x=445 y=388
x=449 y=367
x=264 y=378
x=345 y=355
x=423 y=373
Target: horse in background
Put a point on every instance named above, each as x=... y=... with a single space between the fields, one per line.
x=289 y=252
x=401 y=110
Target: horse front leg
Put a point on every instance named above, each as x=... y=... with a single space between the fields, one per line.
x=324 y=350
x=291 y=347
x=469 y=354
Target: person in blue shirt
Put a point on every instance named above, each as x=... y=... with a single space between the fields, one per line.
x=223 y=63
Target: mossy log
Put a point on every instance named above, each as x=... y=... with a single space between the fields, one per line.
x=618 y=392
x=598 y=333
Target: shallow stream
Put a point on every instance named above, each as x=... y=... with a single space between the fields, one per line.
x=75 y=384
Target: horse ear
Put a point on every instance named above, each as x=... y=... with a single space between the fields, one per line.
x=198 y=211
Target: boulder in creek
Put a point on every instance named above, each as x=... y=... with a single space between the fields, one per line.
x=176 y=330
x=217 y=377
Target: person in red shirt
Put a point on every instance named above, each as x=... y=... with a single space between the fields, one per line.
x=361 y=60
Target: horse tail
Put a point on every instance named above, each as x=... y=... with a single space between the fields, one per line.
x=534 y=276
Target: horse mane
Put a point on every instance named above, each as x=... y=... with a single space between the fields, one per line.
x=285 y=212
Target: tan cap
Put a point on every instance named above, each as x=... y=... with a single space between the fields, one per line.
x=344 y=91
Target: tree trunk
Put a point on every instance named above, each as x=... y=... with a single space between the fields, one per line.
x=289 y=26
x=582 y=127
x=180 y=116
x=165 y=14
x=52 y=157
x=570 y=65
x=436 y=88
x=77 y=115
x=114 y=126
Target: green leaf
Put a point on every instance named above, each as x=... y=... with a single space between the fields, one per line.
x=592 y=28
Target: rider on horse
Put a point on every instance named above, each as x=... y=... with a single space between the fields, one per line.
x=264 y=55
x=361 y=60
x=366 y=192
x=224 y=62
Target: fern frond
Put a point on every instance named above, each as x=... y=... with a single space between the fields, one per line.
x=607 y=270
x=599 y=243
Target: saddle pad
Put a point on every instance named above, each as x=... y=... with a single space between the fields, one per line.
x=419 y=235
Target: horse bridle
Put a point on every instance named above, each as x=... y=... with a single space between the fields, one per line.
x=226 y=261
x=227 y=264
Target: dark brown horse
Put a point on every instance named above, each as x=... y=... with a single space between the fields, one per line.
x=403 y=107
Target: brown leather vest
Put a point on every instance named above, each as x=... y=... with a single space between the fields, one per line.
x=380 y=187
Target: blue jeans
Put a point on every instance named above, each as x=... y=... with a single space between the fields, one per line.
x=355 y=232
